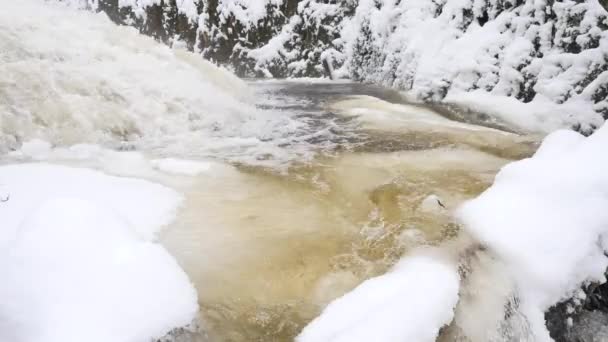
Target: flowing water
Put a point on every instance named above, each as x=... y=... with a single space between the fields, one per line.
x=311 y=187
x=268 y=249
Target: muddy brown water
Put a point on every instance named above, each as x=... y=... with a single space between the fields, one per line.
x=267 y=250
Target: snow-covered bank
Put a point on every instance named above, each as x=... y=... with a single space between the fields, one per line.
x=533 y=51
x=78 y=260
x=544 y=220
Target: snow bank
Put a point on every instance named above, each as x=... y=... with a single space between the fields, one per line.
x=528 y=50
x=542 y=115
x=77 y=262
x=546 y=218
x=410 y=303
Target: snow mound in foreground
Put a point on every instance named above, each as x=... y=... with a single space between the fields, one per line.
x=76 y=261
x=410 y=303
x=547 y=218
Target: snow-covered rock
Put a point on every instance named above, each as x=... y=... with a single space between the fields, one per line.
x=410 y=303
x=546 y=218
x=78 y=260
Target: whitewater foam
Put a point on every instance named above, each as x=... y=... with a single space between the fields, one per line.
x=71 y=76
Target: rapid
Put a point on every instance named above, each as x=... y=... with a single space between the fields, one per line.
x=294 y=192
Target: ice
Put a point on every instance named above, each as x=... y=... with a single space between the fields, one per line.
x=78 y=258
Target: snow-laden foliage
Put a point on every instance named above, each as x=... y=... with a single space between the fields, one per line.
x=270 y=38
x=530 y=50
x=309 y=38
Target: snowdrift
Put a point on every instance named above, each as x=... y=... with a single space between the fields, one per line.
x=78 y=261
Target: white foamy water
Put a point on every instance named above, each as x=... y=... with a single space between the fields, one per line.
x=72 y=76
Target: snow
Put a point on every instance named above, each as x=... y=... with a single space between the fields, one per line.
x=546 y=218
x=523 y=52
x=289 y=46
x=37 y=183
x=248 y=12
x=188 y=8
x=275 y=49
x=409 y=303
x=78 y=261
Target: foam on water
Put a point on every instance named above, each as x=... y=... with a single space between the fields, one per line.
x=72 y=77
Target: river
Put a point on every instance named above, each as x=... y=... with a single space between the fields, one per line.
x=308 y=187
x=268 y=248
